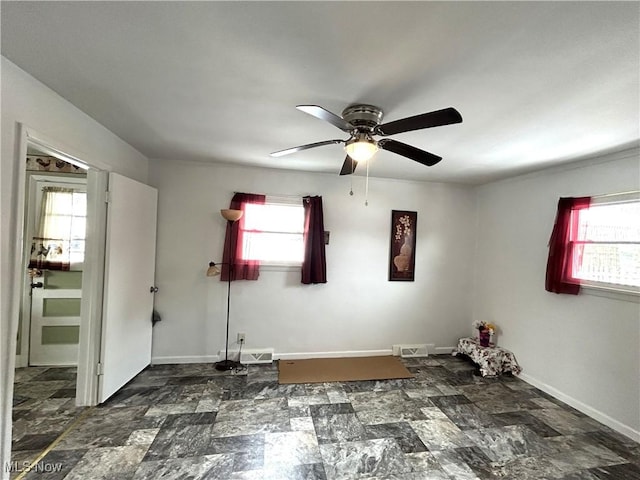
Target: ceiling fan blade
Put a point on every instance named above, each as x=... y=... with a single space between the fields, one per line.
x=327 y=116
x=304 y=147
x=420 y=156
x=349 y=166
x=438 y=118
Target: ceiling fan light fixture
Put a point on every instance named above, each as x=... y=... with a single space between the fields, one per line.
x=361 y=148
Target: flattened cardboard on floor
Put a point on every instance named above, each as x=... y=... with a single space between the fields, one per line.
x=319 y=370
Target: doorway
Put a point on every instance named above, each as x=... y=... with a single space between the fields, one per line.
x=47 y=390
x=88 y=332
x=114 y=334
x=54 y=245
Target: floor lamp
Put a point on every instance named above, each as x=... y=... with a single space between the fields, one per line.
x=231 y=216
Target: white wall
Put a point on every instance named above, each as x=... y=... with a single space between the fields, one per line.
x=583 y=349
x=27 y=101
x=357 y=310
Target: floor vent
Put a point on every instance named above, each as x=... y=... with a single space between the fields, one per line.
x=257 y=355
x=414 y=351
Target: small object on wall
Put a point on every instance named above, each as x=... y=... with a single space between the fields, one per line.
x=403 y=245
x=46 y=163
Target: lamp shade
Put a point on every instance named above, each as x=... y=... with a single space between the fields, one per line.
x=213 y=270
x=231 y=215
x=361 y=149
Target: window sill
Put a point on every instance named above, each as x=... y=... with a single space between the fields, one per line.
x=613 y=293
x=279 y=268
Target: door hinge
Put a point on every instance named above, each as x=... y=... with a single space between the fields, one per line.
x=107 y=196
x=99 y=370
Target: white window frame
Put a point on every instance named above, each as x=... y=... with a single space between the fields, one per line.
x=612 y=290
x=78 y=184
x=275 y=265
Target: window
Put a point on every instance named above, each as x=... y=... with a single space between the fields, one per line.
x=272 y=233
x=605 y=243
x=60 y=239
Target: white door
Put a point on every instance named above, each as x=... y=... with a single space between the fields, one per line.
x=50 y=321
x=128 y=286
x=55 y=318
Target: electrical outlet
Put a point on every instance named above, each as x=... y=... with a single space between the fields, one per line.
x=241 y=338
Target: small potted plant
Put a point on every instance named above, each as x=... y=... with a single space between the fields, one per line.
x=485 y=331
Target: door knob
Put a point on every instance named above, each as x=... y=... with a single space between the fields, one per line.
x=153 y=289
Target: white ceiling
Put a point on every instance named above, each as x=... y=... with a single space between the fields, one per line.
x=537 y=83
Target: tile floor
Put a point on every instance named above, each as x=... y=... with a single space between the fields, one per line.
x=192 y=422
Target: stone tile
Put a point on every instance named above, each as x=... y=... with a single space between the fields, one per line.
x=505 y=443
x=104 y=427
x=208 y=467
x=406 y=438
x=369 y=458
x=276 y=423
x=37 y=441
x=338 y=428
x=56 y=374
x=171 y=409
x=565 y=422
x=136 y=396
x=523 y=417
x=108 y=463
x=324 y=410
x=440 y=434
x=455 y=460
x=182 y=419
x=56 y=465
x=454 y=465
x=467 y=416
x=144 y=436
x=191 y=421
x=448 y=400
x=625 y=471
x=187 y=441
x=526 y=468
x=301 y=424
x=586 y=457
x=288 y=449
x=306 y=400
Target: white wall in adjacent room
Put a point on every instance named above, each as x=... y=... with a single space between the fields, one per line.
x=585 y=348
x=358 y=310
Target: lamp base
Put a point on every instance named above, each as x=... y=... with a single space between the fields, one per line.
x=226 y=365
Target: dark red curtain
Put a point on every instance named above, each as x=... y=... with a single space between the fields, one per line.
x=233 y=262
x=314 y=266
x=560 y=262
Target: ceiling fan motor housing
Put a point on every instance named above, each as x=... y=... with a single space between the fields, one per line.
x=363 y=116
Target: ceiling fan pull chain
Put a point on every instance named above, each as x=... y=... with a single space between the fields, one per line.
x=366 y=188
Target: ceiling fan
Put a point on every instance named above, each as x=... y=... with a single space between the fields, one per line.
x=363 y=121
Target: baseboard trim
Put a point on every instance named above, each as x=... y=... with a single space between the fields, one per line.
x=185 y=359
x=21 y=361
x=584 y=408
x=443 y=350
x=291 y=355
x=348 y=353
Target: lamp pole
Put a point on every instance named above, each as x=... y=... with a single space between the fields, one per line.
x=227 y=364
x=231 y=216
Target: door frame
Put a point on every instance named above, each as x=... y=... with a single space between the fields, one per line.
x=30 y=219
x=91 y=303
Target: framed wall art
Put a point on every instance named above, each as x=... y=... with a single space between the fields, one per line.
x=402 y=252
